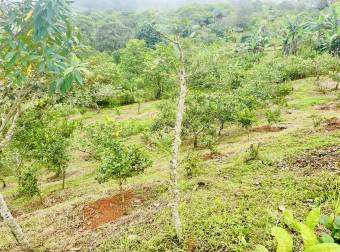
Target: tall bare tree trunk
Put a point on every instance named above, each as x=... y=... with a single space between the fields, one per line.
x=13 y=225
x=177 y=142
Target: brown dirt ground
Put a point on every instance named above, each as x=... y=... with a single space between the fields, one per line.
x=212 y=156
x=332 y=124
x=327 y=83
x=269 y=128
x=109 y=209
x=318 y=159
x=328 y=106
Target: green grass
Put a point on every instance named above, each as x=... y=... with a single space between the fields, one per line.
x=233 y=211
x=306 y=95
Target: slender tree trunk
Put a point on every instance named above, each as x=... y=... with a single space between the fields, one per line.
x=139 y=107
x=13 y=225
x=2 y=180
x=177 y=143
x=10 y=132
x=221 y=128
x=195 y=141
x=63 y=170
x=11 y=117
x=121 y=190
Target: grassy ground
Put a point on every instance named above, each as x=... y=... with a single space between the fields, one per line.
x=229 y=206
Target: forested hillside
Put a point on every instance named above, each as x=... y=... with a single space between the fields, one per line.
x=170 y=126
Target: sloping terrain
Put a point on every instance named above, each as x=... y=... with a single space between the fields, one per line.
x=228 y=206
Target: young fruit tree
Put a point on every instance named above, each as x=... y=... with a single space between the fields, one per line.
x=199 y=117
x=120 y=163
x=117 y=161
x=246 y=119
x=37 y=45
x=43 y=137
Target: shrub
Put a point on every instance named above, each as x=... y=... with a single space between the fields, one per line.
x=43 y=136
x=210 y=140
x=28 y=182
x=246 y=118
x=163 y=142
x=192 y=165
x=273 y=116
x=317 y=120
x=4 y=168
x=199 y=118
x=117 y=161
x=120 y=163
x=165 y=120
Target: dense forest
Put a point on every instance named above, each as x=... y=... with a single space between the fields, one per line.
x=170 y=125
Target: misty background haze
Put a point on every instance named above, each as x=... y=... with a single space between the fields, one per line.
x=126 y=5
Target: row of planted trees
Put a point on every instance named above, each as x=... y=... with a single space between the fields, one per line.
x=39 y=56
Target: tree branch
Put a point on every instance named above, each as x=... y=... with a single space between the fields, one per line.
x=11 y=129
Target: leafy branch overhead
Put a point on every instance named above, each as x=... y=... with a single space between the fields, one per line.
x=38 y=44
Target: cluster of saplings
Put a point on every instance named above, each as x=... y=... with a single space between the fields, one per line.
x=41 y=140
x=235 y=102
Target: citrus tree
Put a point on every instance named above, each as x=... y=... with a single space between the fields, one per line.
x=117 y=160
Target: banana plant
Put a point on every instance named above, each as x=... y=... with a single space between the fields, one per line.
x=312 y=242
x=327 y=30
x=257 y=42
x=291 y=36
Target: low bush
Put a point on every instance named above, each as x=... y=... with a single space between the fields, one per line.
x=192 y=165
x=28 y=181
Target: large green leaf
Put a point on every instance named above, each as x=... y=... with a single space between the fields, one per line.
x=313 y=218
x=77 y=76
x=260 y=248
x=288 y=218
x=326 y=238
x=308 y=236
x=336 y=234
x=327 y=221
x=324 y=247
x=283 y=238
x=336 y=224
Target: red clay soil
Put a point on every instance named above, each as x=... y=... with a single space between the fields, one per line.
x=332 y=124
x=192 y=245
x=268 y=128
x=108 y=209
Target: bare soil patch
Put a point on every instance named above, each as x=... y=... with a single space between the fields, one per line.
x=212 y=156
x=110 y=209
x=269 y=128
x=329 y=106
x=332 y=124
x=327 y=83
x=318 y=159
